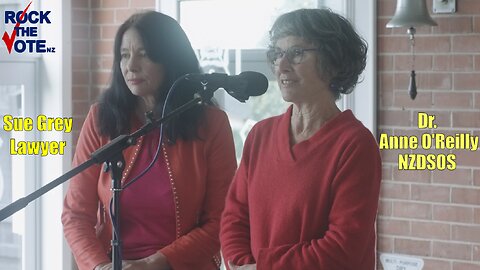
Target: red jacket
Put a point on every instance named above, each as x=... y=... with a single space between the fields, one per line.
x=310 y=206
x=201 y=171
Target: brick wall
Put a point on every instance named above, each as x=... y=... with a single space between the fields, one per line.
x=432 y=214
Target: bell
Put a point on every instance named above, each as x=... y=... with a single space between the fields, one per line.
x=411 y=13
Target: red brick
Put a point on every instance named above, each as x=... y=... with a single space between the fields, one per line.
x=96 y=4
x=123 y=14
x=81 y=16
x=462 y=63
x=466 y=266
x=103 y=16
x=476 y=177
x=413 y=247
x=477 y=216
x=384 y=244
x=107 y=62
x=432 y=44
x=80 y=4
x=386 y=8
x=114 y=3
x=393 y=227
x=422 y=100
x=442 y=62
x=431 y=230
x=456 y=177
x=404 y=62
x=433 y=81
x=80 y=108
x=81 y=47
x=393 y=44
x=449 y=250
x=97 y=91
x=468 y=158
x=80 y=93
x=108 y=31
x=477 y=100
x=75 y=135
x=382 y=30
x=450 y=213
x=412 y=210
x=385 y=208
x=80 y=31
x=387 y=172
x=476 y=253
x=386 y=82
x=467 y=81
x=464 y=44
x=420 y=176
x=386 y=99
x=391 y=155
x=392 y=190
x=395 y=118
x=385 y=62
x=101 y=47
x=453 y=100
x=467 y=234
x=79 y=120
x=466 y=195
x=101 y=78
x=476 y=24
x=466 y=119
x=80 y=63
x=430 y=193
x=453 y=25
x=436 y=264
x=468 y=7
x=385 y=85
x=102 y=63
x=96 y=32
x=81 y=78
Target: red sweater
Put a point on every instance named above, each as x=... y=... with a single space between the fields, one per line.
x=310 y=206
x=200 y=173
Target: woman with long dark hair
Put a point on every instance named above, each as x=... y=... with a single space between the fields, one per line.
x=170 y=215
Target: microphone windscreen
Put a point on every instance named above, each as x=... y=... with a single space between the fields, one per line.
x=257 y=83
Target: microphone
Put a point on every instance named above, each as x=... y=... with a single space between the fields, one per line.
x=241 y=86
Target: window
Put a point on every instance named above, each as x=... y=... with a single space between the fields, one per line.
x=18 y=237
x=35 y=84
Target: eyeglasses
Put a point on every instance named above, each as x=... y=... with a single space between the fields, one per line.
x=294 y=55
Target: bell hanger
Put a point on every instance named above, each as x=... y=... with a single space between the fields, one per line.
x=411 y=14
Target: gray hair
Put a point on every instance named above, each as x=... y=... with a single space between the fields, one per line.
x=342 y=52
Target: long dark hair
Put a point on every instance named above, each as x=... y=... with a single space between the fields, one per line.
x=165 y=43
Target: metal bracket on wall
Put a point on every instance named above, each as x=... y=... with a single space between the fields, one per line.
x=444 y=6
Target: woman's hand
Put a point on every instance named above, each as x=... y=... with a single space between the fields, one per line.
x=242 y=267
x=156 y=261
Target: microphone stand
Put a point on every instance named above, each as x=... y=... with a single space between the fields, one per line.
x=111 y=154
